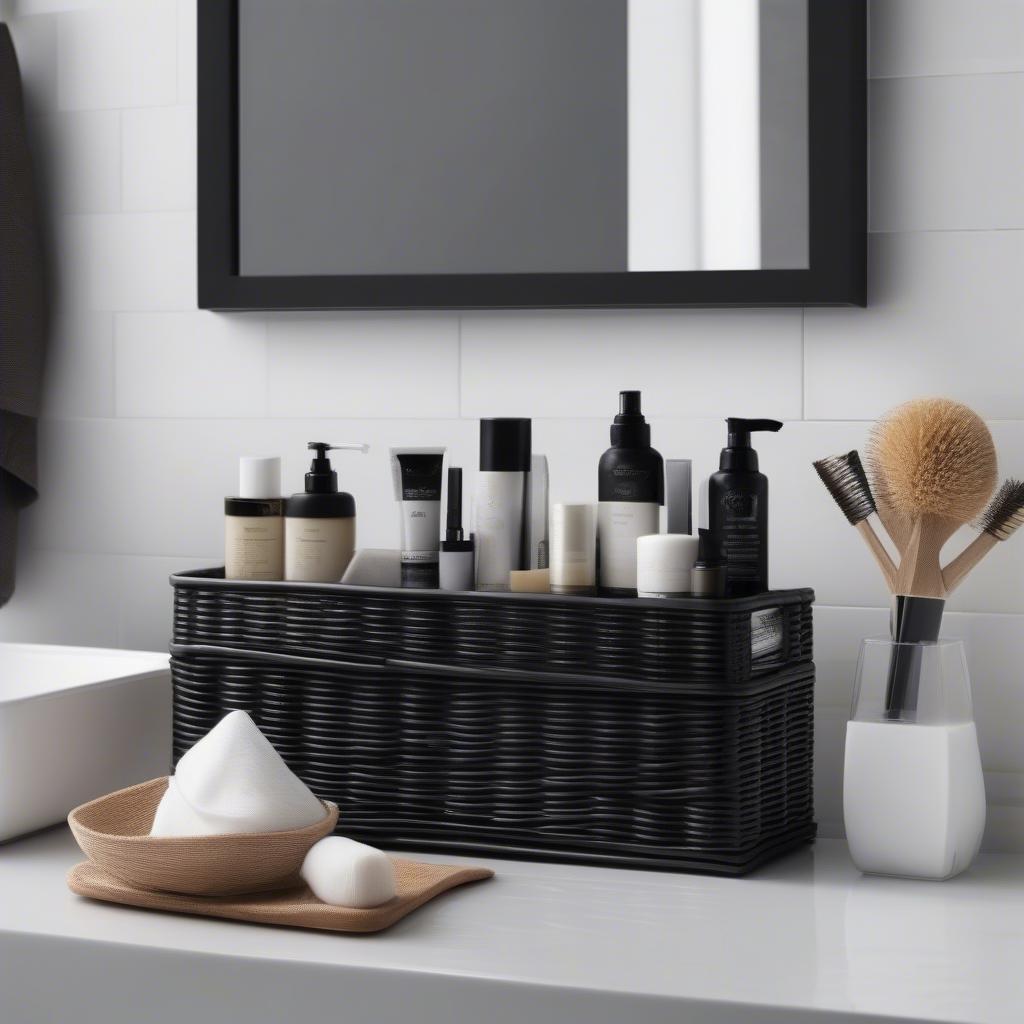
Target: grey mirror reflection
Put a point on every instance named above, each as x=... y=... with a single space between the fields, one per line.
x=488 y=136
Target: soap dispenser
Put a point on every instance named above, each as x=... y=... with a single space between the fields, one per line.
x=630 y=492
x=320 y=522
x=738 y=509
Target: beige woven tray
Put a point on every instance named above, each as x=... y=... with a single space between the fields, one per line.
x=417 y=883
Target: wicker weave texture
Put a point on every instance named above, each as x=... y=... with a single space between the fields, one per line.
x=113 y=833
x=609 y=731
x=424 y=760
x=700 y=640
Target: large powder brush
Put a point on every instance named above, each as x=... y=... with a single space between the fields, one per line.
x=933 y=467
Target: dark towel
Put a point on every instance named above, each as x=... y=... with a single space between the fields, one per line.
x=23 y=314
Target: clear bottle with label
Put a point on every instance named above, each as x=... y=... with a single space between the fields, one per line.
x=630 y=491
x=320 y=522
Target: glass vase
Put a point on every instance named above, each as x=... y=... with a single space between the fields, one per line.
x=913 y=790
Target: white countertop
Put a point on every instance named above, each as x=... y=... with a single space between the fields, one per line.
x=540 y=942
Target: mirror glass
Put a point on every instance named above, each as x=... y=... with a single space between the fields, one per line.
x=522 y=136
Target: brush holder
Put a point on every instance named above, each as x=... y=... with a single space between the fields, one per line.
x=913 y=790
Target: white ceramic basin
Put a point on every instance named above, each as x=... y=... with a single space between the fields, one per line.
x=76 y=723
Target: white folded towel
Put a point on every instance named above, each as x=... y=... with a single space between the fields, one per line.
x=233 y=780
x=345 y=873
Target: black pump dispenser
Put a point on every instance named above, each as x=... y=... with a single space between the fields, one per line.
x=321 y=498
x=738 y=509
x=321 y=478
x=738 y=455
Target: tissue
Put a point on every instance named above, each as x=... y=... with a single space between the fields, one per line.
x=233 y=780
x=345 y=873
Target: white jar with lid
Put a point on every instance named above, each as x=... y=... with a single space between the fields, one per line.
x=664 y=562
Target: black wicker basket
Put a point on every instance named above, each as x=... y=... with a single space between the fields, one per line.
x=664 y=733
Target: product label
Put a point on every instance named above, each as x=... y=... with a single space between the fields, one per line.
x=254 y=548
x=318 y=550
x=740 y=535
x=619 y=523
x=499 y=527
x=766 y=632
x=630 y=483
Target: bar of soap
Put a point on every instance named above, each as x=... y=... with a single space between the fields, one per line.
x=530 y=581
x=345 y=873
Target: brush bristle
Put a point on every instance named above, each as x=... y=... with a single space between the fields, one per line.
x=1005 y=512
x=933 y=456
x=847 y=482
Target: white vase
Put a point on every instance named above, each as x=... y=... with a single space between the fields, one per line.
x=913 y=790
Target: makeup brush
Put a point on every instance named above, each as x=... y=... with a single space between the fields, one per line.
x=1000 y=520
x=847 y=482
x=935 y=465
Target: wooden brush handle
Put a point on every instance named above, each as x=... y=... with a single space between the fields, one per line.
x=954 y=573
x=895 y=525
x=920 y=574
x=877 y=548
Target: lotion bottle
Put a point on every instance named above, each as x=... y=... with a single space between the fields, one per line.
x=630 y=491
x=738 y=509
x=253 y=524
x=502 y=494
x=320 y=523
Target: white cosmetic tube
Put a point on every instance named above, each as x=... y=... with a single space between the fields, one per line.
x=417 y=478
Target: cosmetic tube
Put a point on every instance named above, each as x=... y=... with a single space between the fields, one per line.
x=417 y=478
x=502 y=493
x=573 y=549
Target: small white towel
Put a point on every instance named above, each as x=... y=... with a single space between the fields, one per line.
x=345 y=873
x=231 y=781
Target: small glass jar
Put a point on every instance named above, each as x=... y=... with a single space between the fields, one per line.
x=913 y=789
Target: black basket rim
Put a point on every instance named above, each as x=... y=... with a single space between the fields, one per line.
x=214 y=577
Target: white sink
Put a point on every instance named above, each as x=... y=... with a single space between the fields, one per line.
x=75 y=723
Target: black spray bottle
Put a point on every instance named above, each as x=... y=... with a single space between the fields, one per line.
x=630 y=492
x=738 y=509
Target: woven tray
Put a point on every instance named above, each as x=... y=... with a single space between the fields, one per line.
x=416 y=884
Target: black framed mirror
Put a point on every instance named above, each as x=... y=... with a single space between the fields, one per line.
x=459 y=154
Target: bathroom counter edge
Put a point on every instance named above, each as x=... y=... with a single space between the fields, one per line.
x=541 y=941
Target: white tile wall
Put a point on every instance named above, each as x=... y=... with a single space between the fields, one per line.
x=123 y=53
x=927 y=172
x=158 y=166
x=150 y=401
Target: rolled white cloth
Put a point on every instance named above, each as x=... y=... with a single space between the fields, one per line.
x=233 y=780
x=345 y=873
